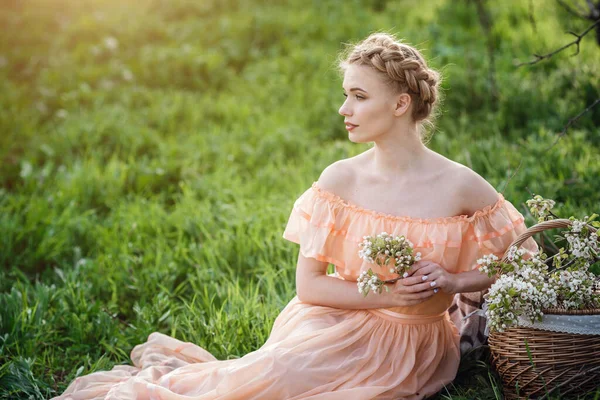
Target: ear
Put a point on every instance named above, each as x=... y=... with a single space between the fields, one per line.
x=402 y=104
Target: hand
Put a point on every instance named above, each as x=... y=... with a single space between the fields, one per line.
x=411 y=291
x=433 y=275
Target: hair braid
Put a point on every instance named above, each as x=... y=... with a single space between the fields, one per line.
x=404 y=68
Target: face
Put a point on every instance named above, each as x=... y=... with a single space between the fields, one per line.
x=370 y=109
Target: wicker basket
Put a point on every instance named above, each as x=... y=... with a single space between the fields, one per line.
x=562 y=362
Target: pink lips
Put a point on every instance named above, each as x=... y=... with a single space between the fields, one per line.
x=350 y=126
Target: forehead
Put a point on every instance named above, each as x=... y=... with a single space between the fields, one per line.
x=361 y=76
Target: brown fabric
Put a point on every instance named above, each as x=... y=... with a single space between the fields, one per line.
x=472 y=329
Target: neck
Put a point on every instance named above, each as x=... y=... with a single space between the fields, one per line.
x=398 y=153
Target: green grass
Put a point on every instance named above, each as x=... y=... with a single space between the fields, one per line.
x=145 y=187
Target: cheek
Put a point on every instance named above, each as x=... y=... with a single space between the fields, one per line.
x=375 y=113
x=370 y=110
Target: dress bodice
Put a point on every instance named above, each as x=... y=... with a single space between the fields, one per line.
x=329 y=228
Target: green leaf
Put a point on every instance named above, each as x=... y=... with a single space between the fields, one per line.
x=595 y=268
x=529 y=353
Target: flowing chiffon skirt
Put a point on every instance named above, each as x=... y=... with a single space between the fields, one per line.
x=325 y=353
x=313 y=352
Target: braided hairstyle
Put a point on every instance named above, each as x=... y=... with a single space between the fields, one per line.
x=403 y=68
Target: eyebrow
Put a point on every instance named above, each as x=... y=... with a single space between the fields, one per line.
x=357 y=88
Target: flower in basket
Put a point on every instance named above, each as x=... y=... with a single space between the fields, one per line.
x=541 y=207
x=527 y=286
x=381 y=250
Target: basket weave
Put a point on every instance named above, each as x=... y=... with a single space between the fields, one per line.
x=565 y=362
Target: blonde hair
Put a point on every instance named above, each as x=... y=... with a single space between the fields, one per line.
x=403 y=68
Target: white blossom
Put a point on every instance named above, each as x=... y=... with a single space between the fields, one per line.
x=526 y=287
x=394 y=252
x=111 y=43
x=540 y=207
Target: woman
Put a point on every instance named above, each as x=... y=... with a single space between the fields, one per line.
x=330 y=342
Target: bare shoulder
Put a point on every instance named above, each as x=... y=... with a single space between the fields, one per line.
x=475 y=192
x=469 y=189
x=337 y=177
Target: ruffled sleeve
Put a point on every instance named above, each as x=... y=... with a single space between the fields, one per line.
x=330 y=229
x=491 y=231
x=312 y=224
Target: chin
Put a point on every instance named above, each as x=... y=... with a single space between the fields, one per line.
x=354 y=138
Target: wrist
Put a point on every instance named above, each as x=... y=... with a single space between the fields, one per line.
x=455 y=284
x=471 y=281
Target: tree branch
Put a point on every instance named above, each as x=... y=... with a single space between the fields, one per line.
x=572 y=11
x=594 y=10
x=575 y=42
x=512 y=176
x=571 y=122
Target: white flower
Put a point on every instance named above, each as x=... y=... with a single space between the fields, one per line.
x=111 y=43
x=540 y=207
x=127 y=75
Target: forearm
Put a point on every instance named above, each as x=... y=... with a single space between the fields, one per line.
x=473 y=281
x=333 y=292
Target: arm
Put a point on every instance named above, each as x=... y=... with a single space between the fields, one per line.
x=472 y=281
x=464 y=282
x=315 y=287
x=475 y=194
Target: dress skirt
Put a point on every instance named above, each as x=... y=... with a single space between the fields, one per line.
x=313 y=352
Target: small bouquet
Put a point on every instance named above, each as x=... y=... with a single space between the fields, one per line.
x=381 y=250
x=566 y=280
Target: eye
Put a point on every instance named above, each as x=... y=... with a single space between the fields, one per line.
x=358 y=97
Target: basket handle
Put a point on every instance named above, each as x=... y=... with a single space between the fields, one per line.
x=542 y=226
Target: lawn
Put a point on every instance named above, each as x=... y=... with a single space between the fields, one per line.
x=152 y=151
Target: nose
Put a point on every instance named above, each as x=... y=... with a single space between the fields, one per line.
x=344 y=110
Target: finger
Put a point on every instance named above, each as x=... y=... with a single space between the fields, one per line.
x=418 y=288
x=415 y=267
x=428 y=278
x=441 y=282
x=426 y=270
x=434 y=275
x=437 y=281
x=401 y=289
x=418 y=266
x=411 y=280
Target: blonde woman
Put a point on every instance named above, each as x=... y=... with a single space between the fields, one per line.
x=330 y=342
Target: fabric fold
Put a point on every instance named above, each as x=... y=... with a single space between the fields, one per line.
x=329 y=229
x=325 y=353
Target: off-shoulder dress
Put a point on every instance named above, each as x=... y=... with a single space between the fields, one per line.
x=324 y=353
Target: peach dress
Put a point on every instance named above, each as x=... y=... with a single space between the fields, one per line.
x=325 y=353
